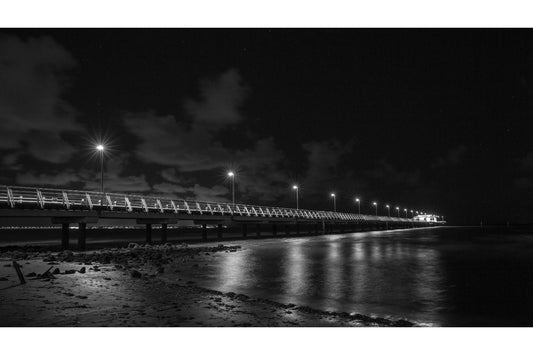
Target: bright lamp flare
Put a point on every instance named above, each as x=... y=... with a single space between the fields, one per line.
x=295 y=187
x=231 y=174
x=100 y=147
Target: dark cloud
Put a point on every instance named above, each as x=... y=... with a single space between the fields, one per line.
x=185 y=149
x=170 y=175
x=524 y=182
x=526 y=163
x=33 y=113
x=453 y=157
x=323 y=161
x=215 y=193
x=115 y=178
x=169 y=189
x=220 y=100
x=387 y=174
x=40 y=179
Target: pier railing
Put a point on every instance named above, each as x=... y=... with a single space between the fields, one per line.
x=18 y=197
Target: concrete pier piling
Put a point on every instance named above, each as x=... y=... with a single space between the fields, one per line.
x=65 y=235
x=164 y=230
x=219 y=231
x=204 y=231
x=82 y=233
x=148 y=233
x=274 y=230
x=244 y=230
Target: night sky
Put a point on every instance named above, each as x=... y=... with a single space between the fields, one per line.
x=432 y=120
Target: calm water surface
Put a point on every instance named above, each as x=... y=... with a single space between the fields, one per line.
x=441 y=276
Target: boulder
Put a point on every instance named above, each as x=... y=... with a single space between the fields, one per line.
x=136 y=274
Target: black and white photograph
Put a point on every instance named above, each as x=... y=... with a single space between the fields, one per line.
x=266 y=177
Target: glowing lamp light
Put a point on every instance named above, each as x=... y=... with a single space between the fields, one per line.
x=100 y=147
x=357 y=200
x=231 y=174
x=295 y=187
x=332 y=195
x=374 y=203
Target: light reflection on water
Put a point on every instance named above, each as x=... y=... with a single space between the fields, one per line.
x=408 y=274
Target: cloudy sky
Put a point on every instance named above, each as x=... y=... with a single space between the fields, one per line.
x=435 y=120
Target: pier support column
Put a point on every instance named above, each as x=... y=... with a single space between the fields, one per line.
x=287 y=230
x=64 y=235
x=164 y=227
x=297 y=229
x=342 y=228
x=148 y=233
x=219 y=231
x=204 y=231
x=81 y=235
x=274 y=230
x=244 y=231
x=316 y=228
x=258 y=230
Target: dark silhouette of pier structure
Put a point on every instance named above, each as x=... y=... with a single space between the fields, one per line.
x=67 y=207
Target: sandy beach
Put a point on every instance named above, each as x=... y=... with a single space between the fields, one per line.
x=141 y=285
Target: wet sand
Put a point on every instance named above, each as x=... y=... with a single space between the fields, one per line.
x=141 y=286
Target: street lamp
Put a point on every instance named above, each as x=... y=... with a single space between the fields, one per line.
x=295 y=187
x=358 y=204
x=231 y=174
x=100 y=148
x=398 y=210
x=405 y=210
x=334 y=202
x=388 y=210
x=376 y=205
x=412 y=215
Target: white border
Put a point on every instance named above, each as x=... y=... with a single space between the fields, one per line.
x=267 y=341
x=266 y=13
x=273 y=13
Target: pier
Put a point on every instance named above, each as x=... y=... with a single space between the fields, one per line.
x=66 y=207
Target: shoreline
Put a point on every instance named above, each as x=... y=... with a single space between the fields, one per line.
x=142 y=285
